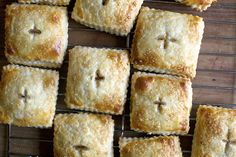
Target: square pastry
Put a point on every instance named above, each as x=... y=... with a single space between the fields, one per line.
x=35 y=41
x=160 y=104
x=52 y=2
x=162 y=146
x=97 y=79
x=115 y=17
x=200 y=5
x=167 y=42
x=28 y=96
x=83 y=135
x=215 y=132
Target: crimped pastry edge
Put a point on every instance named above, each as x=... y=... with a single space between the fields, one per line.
x=198 y=7
x=52 y=2
x=112 y=30
x=130 y=139
x=126 y=140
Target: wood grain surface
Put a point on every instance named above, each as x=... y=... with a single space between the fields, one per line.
x=214 y=84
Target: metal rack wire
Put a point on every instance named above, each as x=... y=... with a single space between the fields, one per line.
x=123 y=120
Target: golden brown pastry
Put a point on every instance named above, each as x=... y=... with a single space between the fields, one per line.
x=36 y=35
x=215 y=132
x=167 y=42
x=115 y=17
x=28 y=96
x=97 y=79
x=83 y=135
x=160 y=104
x=200 y=5
x=53 y=2
x=162 y=146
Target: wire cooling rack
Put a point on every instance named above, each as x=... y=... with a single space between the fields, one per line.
x=215 y=83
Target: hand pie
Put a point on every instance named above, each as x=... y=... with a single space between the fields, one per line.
x=28 y=96
x=167 y=42
x=36 y=35
x=162 y=146
x=83 y=135
x=53 y=2
x=200 y=5
x=160 y=104
x=215 y=132
x=115 y=17
x=97 y=79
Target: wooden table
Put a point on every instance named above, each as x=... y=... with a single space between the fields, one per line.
x=215 y=83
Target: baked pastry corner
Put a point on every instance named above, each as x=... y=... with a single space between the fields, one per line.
x=168 y=146
x=50 y=2
x=199 y=5
x=215 y=132
x=115 y=17
x=83 y=134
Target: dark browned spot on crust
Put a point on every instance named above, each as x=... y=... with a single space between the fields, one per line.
x=138 y=122
x=105 y=2
x=183 y=86
x=10 y=50
x=184 y=126
x=48 y=81
x=57 y=48
x=79 y=9
x=104 y=119
x=115 y=57
x=55 y=18
x=75 y=102
x=142 y=83
x=109 y=106
x=167 y=141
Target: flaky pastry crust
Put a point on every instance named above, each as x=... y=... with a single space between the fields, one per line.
x=215 y=132
x=97 y=79
x=36 y=35
x=167 y=42
x=160 y=104
x=28 y=96
x=162 y=146
x=200 y=5
x=115 y=17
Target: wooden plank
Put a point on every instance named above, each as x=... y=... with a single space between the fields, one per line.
x=218 y=46
x=213 y=96
x=213 y=62
x=219 y=79
x=100 y=39
x=213 y=30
